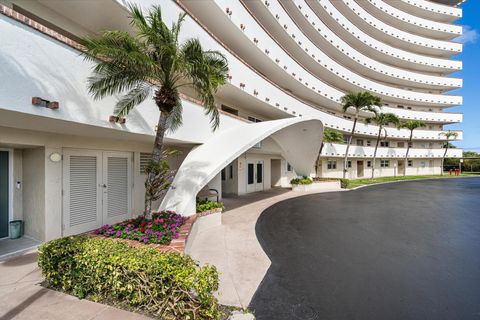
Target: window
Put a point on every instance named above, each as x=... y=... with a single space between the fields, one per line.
x=230 y=171
x=369 y=164
x=423 y=164
x=289 y=167
x=229 y=110
x=359 y=142
x=384 y=144
x=410 y=144
x=401 y=144
x=430 y=163
x=331 y=164
x=384 y=163
x=410 y=163
x=223 y=175
x=345 y=139
x=369 y=143
x=349 y=163
x=400 y=107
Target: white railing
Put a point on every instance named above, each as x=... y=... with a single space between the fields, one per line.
x=418 y=24
x=412 y=40
x=343 y=49
x=432 y=7
x=338 y=150
x=322 y=7
x=247 y=24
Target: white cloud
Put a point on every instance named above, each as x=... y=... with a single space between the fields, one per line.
x=469 y=35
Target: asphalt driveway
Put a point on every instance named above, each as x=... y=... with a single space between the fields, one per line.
x=407 y=250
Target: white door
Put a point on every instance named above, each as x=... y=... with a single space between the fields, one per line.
x=254 y=176
x=82 y=201
x=117 y=186
x=97 y=189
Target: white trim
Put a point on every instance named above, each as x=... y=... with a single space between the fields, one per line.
x=10 y=182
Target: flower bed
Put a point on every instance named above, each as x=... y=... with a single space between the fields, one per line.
x=209 y=206
x=163 y=227
x=301 y=181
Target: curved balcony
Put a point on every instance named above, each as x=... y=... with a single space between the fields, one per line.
x=266 y=47
x=310 y=33
x=338 y=150
x=248 y=82
x=404 y=21
x=429 y=117
x=394 y=36
x=378 y=50
x=429 y=9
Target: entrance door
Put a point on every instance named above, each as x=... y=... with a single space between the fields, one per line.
x=4 y=192
x=254 y=176
x=359 y=169
x=117 y=186
x=401 y=167
x=97 y=189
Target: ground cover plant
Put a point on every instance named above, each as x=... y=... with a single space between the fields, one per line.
x=165 y=285
x=302 y=180
x=207 y=205
x=163 y=227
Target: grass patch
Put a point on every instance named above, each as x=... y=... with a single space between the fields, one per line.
x=367 y=181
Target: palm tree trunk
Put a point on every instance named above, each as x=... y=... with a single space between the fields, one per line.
x=345 y=166
x=156 y=157
x=443 y=159
x=318 y=158
x=405 y=165
x=375 y=152
x=158 y=145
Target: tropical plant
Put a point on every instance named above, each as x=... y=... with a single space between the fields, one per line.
x=449 y=135
x=153 y=62
x=360 y=101
x=207 y=205
x=381 y=120
x=329 y=136
x=410 y=125
x=302 y=180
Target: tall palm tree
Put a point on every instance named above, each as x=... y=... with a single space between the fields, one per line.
x=329 y=136
x=410 y=125
x=360 y=101
x=381 y=120
x=153 y=62
x=449 y=135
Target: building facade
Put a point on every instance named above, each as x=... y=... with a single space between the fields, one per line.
x=67 y=167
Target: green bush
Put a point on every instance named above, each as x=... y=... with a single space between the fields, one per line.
x=302 y=180
x=344 y=183
x=168 y=285
x=206 y=205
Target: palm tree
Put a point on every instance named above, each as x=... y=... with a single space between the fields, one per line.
x=381 y=120
x=410 y=125
x=449 y=135
x=360 y=101
x=153 y=62
x=329 y=136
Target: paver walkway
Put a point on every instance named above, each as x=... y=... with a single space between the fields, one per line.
x=22 y=298
x=233 y=247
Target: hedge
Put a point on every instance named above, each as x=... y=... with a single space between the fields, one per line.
x=302 y=180
x=168 y=285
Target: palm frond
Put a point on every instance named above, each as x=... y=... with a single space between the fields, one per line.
x=134 y=97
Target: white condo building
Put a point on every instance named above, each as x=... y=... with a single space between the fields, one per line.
x=69 y=169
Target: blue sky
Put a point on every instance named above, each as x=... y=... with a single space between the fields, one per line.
x=470 y=74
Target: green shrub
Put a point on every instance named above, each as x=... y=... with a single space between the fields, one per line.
x=344 y=183
x=302 y=180
x=168 y=285
x=206 y=205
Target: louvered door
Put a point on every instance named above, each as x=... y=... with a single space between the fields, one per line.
x=82 y=199
x=116 y=193
x=97 y=189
